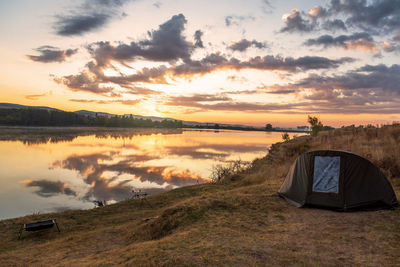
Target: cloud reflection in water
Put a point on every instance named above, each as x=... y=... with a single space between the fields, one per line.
x=119 y=163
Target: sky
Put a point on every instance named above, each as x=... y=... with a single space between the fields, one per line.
x=227 y=61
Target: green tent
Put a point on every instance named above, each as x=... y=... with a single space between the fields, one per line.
x=336 y=179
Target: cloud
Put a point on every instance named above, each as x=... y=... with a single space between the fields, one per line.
x=290 y=64
x=296 y=23
x=267 y=7
x=142 y=91
x=35 y=97
x=91 y=15
x=369 y=89
x=243 y=92
x=214 y=62
x=317 y=12
x=197 y=37
x=87 y=82
x=375 y=17
x=396 y=38
x=201 y=98
x=294 y=64
x=243 y=44
x=157 y=4
x=275 y=89
x=165 y=44
x=333 y=25
x=154 y=75
x=94 y=81
x=299 y=21
x=229 y=105
x=50 y=188
x=390 y=47
x=120 y=101
x=50 y=54
x=242 y=106
x=360 y=41
x=376 y=77
x=79 y=24
x=236 y=78
x=94 y=86
x=331 y=102
x=168 y=44
x=237 y=20
x=382 y=15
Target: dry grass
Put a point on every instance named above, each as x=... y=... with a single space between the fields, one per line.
x=241 y=221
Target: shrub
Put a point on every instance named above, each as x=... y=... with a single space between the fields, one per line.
x=286 y=137
x=222 y=173
x=316 y=125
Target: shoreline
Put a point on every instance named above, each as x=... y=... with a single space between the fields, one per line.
x=141 y=128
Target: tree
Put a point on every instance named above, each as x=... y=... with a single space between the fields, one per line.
x=268 y=127
x=316 y=125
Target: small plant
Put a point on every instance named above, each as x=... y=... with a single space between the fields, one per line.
x=286 y=137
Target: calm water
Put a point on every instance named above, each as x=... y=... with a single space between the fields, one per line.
x=45 y=172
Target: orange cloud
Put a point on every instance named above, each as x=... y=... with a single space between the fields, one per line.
x=35 y=97
x=362 y=45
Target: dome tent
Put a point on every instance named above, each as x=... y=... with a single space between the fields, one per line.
x=336 y=179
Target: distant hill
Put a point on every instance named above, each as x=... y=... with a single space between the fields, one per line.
x=17 y=106
x=186 y=124
x=83 y=112
x=93 y=114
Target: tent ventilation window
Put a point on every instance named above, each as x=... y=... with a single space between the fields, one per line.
x=326 y=174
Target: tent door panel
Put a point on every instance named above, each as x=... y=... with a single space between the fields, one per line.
x=326 y=174
x=326 y=181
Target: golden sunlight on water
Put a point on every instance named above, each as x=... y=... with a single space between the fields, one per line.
x=44 y=173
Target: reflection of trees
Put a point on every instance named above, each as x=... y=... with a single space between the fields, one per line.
x=44 y=135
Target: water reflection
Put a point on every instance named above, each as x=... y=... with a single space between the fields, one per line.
x=50 y=188
x=93 y=169
x=44 y=135
x=58 y=174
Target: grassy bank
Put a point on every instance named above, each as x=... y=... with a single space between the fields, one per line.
x=237 y=221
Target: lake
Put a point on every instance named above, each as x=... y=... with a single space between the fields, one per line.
x=55 y=169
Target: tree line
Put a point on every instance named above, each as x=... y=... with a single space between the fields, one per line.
x=42 y=117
